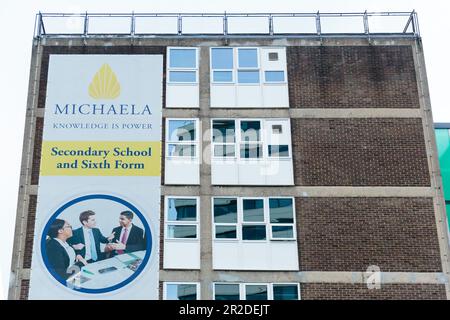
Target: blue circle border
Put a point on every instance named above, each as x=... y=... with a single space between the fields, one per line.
x=104 y=197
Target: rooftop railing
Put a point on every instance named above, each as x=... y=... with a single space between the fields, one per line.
x=319 y=24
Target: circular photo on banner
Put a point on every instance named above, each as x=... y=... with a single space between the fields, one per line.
x=96 y=243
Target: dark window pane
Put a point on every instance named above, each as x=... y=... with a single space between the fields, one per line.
x=181 y=150
x=249 y=151
x=222 y=58
x=248 y=76
x=225 y=210
x=181 y=130
x=285 y=292
x=282 y=232
x=182 y=231
x=181 y=292
x=226 y=292
x=223 y=150
x=182 y=76
x=254 y=232
x=253 y=210
x=226 y=232
x=182 y=209
x=255 y=292
x=183 y=58
x=223 y=131
x=281 y=210
x=278 y=150
x=250 y=131
x=248 y=58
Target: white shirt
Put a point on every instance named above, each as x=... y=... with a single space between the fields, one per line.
x=123 y=230
x=69 y=250
x=87 y=243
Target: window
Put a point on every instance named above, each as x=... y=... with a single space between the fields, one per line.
x=281 y=212
x=181 y=291
x=222 y=64
x=225 y=218
x=273 y=56
x=181 y=218
x=226 y=292
x=183 y=65
x=223 y=67
x=181 y=138
x=250 y=219
x=285 y=291
x=256 y=291
x=224 y=138
x=250 y=136
x=251 y=146
x=248 y=66
x=274 y=76
x=279 y=151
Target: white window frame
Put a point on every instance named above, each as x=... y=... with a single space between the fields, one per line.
x=214 y=144
x=240 y=220
x=285 y=283
x=190 y=142
x=269 y=285
x=197 y=284
x=169 y=68
x=238 y=141
x=236 y=67
x=195 y=223
x=239 y=68
x=236 y=224
x=232 y=70
x=243 y=223
x=293 y=224
x=260 y=142
x=284 y=69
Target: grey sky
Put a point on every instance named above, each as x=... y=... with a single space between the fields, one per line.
x=17 y=21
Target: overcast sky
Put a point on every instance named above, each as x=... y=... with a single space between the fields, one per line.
x=17 y=22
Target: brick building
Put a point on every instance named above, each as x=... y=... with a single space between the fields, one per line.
x=340 y=180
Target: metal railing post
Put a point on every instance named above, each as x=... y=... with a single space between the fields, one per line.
x=366 y=23
x=179 y=25
x=40 y=27
x=86 y=23
x=318 y=26
x=225 y=24
x=133 y=24
x=271 y=24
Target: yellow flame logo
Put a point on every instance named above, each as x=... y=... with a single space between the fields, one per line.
x=104 y=85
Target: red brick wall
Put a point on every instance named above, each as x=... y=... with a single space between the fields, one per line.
x=24 y=288
x=359 y=152
x=341 y=291
x=350 y=234
x=352 y=77
x=29 y=237
x=37 y=147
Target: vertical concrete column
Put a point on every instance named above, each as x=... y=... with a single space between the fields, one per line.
x=433 y=162
x=206 y=271
x=25 y=174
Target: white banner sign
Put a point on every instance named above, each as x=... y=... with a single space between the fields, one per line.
x=97 y=219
